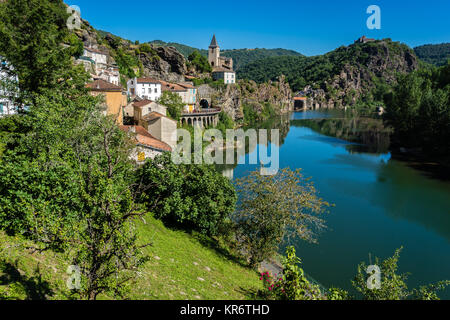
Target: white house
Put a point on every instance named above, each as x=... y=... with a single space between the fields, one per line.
x=100 y=58
x=144 y=88
x=227 y=76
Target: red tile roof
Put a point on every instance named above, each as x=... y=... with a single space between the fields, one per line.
x=153 y=116
x=142 y=103
x=102 y=85
x=144 y=138
x=167 y=86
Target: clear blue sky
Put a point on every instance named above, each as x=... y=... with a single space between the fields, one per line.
x=310 y=27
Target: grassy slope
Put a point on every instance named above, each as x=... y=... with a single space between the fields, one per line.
x=177 y=261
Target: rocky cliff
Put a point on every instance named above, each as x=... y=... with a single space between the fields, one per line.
x=373 y=67
x=164 y=63
x=233 y=98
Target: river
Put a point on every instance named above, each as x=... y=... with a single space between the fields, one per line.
x=380 y=205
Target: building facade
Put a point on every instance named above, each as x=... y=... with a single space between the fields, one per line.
x=115 y=97
x=144 y=88
x=222 y=66
x=187 y=92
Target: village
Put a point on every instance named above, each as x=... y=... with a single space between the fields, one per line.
x=136 y=108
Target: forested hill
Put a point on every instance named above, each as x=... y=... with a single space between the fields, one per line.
x=342 y=76
x=241 y=57
x=437 y=54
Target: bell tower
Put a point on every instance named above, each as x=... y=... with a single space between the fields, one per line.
x=214 y=53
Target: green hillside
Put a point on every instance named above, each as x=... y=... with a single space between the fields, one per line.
x=182 y=266
x=437 y=54
x=241 y=57
x=301 y=71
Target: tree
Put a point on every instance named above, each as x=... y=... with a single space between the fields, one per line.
x=32 y=34
x=200 y=62
x=273 y=208
x=392 y=285
x=195 y=197
x=68 y=186
x=174 y=104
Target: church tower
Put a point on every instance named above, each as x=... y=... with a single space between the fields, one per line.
x=214 y=53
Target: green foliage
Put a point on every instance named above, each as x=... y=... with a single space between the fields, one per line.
x=194 y=197
x=337 y=294
x=31 y=36
x=200 y=62
x=437 y=54
x=393 y=285
x=225 y=122
x=419 y=103
x=241 y=57
x=293 y=284
x=174 y=104
x=275 y=208
x=301 y=71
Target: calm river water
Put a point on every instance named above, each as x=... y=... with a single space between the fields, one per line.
x=380 y=205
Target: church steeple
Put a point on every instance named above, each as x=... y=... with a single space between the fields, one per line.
x=213 y=42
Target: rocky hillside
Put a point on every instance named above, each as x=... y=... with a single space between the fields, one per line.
x=361 y=72
x=273 y=97
x=164 y=63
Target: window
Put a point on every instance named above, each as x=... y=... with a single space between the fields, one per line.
x=156 y=90
x=1 y=108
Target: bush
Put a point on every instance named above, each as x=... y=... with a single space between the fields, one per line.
x=292 y=284
x=193 y=197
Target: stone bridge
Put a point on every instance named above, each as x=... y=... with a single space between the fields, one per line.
x=202 y=118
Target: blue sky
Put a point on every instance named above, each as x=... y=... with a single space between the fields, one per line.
x=310 y=27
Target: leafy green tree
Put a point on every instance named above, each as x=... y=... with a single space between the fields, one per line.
x=200 y=62
x=393 y=285
x=195 y=197
x=32 y=34
x=68 y=186
x=273 y=208
x=174 y=104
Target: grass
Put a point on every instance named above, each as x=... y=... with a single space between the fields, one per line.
x=181 y=266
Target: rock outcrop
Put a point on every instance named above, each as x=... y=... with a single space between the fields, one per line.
x=168 y=64
x=233 y=98
x=373 y=63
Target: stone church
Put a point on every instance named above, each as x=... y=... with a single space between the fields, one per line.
x=222 y=66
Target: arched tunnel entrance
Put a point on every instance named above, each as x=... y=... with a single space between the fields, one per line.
x=204 y=104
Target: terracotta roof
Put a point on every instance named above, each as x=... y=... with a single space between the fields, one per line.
x=147 y=80
x=153 y=116
x=143 y=137
x=167 y=86
x=102 y=85
x=186 y=85
x=142 y=103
